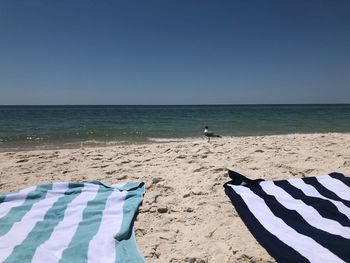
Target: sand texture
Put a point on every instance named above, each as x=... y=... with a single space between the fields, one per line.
x=186 y=216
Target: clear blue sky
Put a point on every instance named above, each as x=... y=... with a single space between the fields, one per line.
x=174 y=52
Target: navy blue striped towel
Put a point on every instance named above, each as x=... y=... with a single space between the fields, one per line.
x=296 y=220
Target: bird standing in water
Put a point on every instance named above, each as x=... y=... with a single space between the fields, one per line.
x=209 y=134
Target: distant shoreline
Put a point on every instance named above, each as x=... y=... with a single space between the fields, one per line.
x=107 y=144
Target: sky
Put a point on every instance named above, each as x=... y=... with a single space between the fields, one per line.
x=174 y=52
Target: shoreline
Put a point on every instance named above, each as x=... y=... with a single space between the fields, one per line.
x=185 y=215
x=91 y=144
x=23 y=147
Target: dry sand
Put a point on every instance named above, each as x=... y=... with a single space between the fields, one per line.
x=186 y=216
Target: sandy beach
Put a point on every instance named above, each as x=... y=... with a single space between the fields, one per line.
x=186 y=216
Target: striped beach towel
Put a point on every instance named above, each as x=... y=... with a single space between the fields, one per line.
x=296 y=220
x=70 y=222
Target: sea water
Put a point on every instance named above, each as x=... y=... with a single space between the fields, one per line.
x=57 y=126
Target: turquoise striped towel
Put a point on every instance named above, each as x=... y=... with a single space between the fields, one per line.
x=70 y=222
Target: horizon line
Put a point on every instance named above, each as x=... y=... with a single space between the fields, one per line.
x=204 y=104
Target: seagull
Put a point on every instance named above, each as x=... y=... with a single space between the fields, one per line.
x=209 y=134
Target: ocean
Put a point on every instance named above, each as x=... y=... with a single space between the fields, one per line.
x=69 y=126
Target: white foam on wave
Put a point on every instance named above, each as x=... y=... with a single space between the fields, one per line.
x=186 y=139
